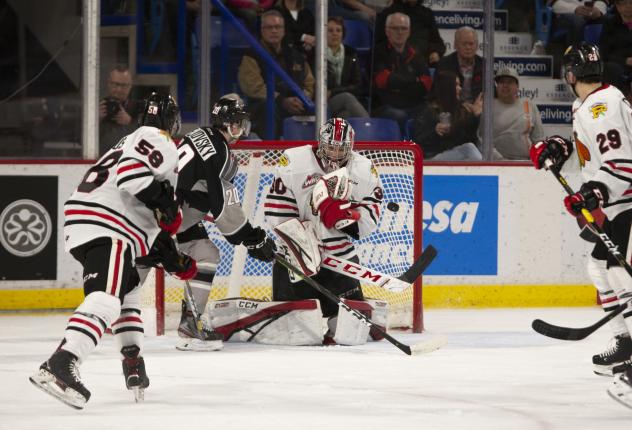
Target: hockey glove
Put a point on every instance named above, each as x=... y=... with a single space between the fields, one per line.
x=165 y=254
x=554 y=148
x=260 y=246
x=337 y=214
x=591 y=195
x=160 y=198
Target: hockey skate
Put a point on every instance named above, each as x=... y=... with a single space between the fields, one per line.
x=194 y=340
x=621 y=388
x=136 y=378
x=59 y=377
x=617 y=353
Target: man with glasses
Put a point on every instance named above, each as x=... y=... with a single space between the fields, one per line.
x=117 y=113
x=401 y=79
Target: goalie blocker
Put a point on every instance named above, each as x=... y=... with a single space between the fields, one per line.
x=292 y=323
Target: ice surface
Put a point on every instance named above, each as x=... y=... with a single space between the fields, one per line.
x=495 y=373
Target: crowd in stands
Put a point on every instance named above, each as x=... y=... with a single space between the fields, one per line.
x=404 y=74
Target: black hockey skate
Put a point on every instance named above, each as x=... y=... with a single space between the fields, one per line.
x=621 y=388
x=59 y=377
x=192 y=338
x=134 y=372
x=617 y=353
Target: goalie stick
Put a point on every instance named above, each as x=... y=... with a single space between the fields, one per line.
x=569 y=333
x=429 y=346
x=382 y=280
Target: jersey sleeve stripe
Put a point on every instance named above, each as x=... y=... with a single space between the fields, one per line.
x=616 y=166
x=84 y=212
x=124 y=169
x=283 y=198
x=613 y=174
x=280 y=206
x=281 y=214
x=133 y=177
x=335 y=247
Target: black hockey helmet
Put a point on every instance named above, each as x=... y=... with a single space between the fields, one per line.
x=161 y=111
x=229 y=114
x=582 y=62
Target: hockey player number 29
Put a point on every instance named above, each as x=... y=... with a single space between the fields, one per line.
x=610 y=140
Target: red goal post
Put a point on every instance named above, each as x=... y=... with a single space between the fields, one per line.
x=392 y=248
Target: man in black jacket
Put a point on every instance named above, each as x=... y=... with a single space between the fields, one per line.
x=466 y=63
x=615 y=46
x=424 y=34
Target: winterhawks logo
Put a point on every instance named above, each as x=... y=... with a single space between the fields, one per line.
x=311 y=180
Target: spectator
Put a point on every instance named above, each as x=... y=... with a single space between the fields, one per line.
x=401 y=78
x=424 y=35
x=300 y=25
x=117 y=113
x=249 y=10
x=252 y=74
x=446 y=128
x=466 y=63
x=572 y=15
x=352 y=9
x=344 y=81
x=616 y=46
x=517 y=123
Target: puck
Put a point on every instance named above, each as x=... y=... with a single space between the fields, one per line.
x=392 y=206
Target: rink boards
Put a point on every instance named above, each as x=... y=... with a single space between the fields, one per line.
x=502 y=234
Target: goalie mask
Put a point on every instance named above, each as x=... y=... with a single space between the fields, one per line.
x=582 y=62
x=335 y=142
x=161 y=111
x=229 y=115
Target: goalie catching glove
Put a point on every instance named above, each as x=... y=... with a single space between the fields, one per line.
x=554 y=148
x=591 y=195
x=330 y=200
x=165 y=254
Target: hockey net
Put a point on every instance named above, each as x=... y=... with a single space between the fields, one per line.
x=391 y=249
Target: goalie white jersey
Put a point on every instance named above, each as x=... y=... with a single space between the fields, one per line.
x=104 y=203
x=289 y=196
x=602 y=134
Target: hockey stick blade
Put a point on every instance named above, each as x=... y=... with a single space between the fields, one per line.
x=419 y=266
x=429 y=346
x=570 y=333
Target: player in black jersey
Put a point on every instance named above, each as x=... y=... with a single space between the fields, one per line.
x=205 y=190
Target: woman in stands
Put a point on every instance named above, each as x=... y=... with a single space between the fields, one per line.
x=344 y=78
x=446 y=128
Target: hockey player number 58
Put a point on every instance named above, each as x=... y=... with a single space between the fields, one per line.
x=610 y=140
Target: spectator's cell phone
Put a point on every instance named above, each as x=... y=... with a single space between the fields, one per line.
x=589 y=3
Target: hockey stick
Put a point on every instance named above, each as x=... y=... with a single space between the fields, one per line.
x=569 y=333
x=429 y=346
x=382 y=280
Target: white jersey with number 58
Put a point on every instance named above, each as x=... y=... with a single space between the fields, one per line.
x=602 y=134
x=104 y=203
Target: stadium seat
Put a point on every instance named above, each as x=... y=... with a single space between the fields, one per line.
x=358 y=35
x=299 y=128
x=592 y=33
x=409 y=129
x=368 y=129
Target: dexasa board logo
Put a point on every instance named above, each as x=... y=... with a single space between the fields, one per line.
x=25 y=228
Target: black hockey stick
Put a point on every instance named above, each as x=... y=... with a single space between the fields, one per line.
x=429 y=346
x=569 y=333
x=419 y=266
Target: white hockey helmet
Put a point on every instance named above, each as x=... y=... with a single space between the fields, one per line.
x=335 y=142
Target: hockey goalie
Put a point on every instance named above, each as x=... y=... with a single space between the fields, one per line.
x=320 y=201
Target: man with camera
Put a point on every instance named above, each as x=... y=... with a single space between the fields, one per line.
x=117 y=113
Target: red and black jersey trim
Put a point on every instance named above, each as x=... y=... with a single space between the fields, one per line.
x=132 y=177
x=91 y=213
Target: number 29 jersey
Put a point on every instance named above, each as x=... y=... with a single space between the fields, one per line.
x=104 y=203
x=602 y=134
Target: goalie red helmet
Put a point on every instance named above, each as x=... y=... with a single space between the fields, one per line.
x=229 y=115
x=335 y=142
x=161 y=111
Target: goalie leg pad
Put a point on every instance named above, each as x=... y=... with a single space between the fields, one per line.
x=351 y=330
x=300 y=245
x=272 y=323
